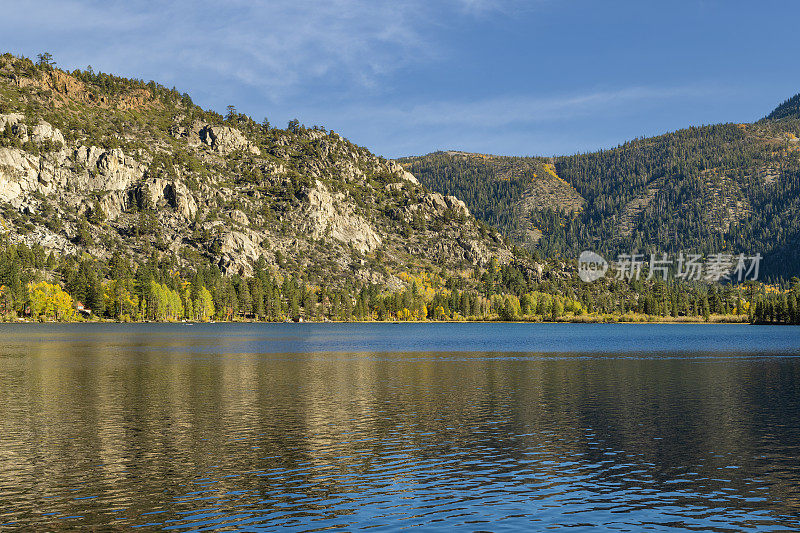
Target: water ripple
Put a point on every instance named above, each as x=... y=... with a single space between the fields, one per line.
x=118 y=435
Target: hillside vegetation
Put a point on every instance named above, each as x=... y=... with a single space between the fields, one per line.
x=722 y=188
x=788 y=109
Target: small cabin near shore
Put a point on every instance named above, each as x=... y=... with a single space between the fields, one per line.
x=82 y=309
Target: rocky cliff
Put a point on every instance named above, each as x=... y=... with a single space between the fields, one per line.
x=92 y=163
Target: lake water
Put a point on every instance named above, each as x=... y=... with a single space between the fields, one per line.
x=468 y=427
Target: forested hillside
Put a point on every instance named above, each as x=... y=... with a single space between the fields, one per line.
x=502 y=191
x=722 y=188
x=789 y=109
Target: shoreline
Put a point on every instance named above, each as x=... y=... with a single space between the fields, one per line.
x=732 y=320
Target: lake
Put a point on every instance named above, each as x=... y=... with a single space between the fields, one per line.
x=433 y=427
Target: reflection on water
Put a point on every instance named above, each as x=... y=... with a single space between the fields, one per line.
x=150 y=427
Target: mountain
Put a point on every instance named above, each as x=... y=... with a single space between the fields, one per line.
x=96 y=164
x=788 y=109
x=720 y=188
x=121 y=199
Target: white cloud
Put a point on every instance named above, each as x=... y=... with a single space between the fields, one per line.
x=276 y=46
x=341 y=63
x=481 y=7
x=511 y=110
x=523 y=125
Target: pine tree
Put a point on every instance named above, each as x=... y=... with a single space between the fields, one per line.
x=45 y=59
x=96 y=297
x=782 y=309
x=245 y=299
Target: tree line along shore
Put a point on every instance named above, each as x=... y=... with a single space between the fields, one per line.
x=40 y=286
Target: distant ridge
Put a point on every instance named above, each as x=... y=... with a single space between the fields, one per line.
x=724 y=187
x=788 y=109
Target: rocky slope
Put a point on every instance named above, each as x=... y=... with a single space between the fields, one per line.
x=92 y=163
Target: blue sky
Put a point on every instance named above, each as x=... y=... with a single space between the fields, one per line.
x=536 y=77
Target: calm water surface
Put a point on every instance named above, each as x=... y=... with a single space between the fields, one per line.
x=469 y=427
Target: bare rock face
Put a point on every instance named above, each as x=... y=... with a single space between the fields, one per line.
x=113 y=203
x=476 y=251
x=65 y=85
x=18 y=172
x=62 y=174
x=22 y=173
x=225 y=139
x=398 y=169
x=438 y=204
x=457 y=205
x=54 y=171
x=238 y=251
x=408 y=176
x=436 y=201
x=315 y=134
x=389 y=281
x=239 y=217
x=109 y=170
x=45 y=132
x=10 y=120
x=155 y=191
x=50 y=241
x=160 y=192
x=327 y=217
x=18 y=128
x=182 y=199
